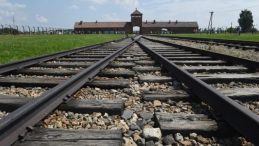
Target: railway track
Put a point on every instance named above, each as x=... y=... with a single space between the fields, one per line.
x=238 y=44
x=34 y=74
x=143 y=97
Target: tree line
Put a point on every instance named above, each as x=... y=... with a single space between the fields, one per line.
x=10 y=31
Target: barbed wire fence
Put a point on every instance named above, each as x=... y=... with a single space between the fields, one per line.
x=32 y=30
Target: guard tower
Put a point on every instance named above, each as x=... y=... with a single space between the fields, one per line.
x=136 y=20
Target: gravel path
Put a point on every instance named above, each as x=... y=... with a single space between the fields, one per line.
x=169 y=107
x=31 y=92
x=37 y=76
x=97 y=93
x=157 y=73
x=70 y=120
x=234 y=85
x=70 y=62
x=251 y=105
x=60 y=68
x=117 y=69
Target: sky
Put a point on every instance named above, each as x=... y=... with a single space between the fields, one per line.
x=64 y=13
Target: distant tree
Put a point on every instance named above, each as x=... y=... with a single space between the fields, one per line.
x=8 y=31
x=246 y=20
x=229 y=30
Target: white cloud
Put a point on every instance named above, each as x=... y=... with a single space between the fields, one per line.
x=99 y=1
x=95 y=1
x=155 y=2
x=92 y=7
x=6 y=4
x=18 y=6
x=125 y=4
x=22 y=18
x=41 y=19
x=1 y=18
x=111 y=17
x=73 y=7
x=198 y=10
x=8 y=10
x=6 y=13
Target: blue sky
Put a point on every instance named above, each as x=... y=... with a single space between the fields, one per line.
x=63 y=13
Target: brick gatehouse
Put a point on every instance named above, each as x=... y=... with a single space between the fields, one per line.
x=146 y=27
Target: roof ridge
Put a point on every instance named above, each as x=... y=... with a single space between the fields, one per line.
x=136 y=12
x=107 y=22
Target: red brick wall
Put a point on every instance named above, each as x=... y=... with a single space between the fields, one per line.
x=129 y=30
x=136 y=21
x=102 y=30
x=156 y=30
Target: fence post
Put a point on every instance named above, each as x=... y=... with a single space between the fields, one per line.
x=23 y=30
x=29 y=30
x=34 y=30
x=17 y=30
x=11 y=29
x=3 y=29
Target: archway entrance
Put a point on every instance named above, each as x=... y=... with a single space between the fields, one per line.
x=165 y=31
x=136 y=30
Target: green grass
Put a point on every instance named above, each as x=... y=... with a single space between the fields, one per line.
x=243 y=37
x=13 y=48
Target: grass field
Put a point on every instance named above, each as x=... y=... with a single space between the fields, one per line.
x=243 y=37
x=13 y=48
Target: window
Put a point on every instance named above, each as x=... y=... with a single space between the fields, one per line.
x=136 y=16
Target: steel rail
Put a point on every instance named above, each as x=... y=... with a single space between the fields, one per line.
x=18 y=123
x=248 y=43
x=237 y=60
x=243 y=120
x=31 y=61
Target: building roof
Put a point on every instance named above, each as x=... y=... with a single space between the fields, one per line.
x=128 y=24
x=136 y=12
x=171 y=24
x=102 y=24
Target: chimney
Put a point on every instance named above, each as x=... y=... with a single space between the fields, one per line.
x=169 y=21
x=81 y=22
x=146 y=21
x=96 y=21
x=154 y=21
x=176 y=21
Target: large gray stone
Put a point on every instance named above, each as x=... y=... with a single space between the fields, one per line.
x=126 y=90
x=178 y=137
x=193 y=136
x=141 y=123
x=169 y=139
x=134 y=127
x=152 y=133
x=150 y=143
x=146 y=116
x=127 y=114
